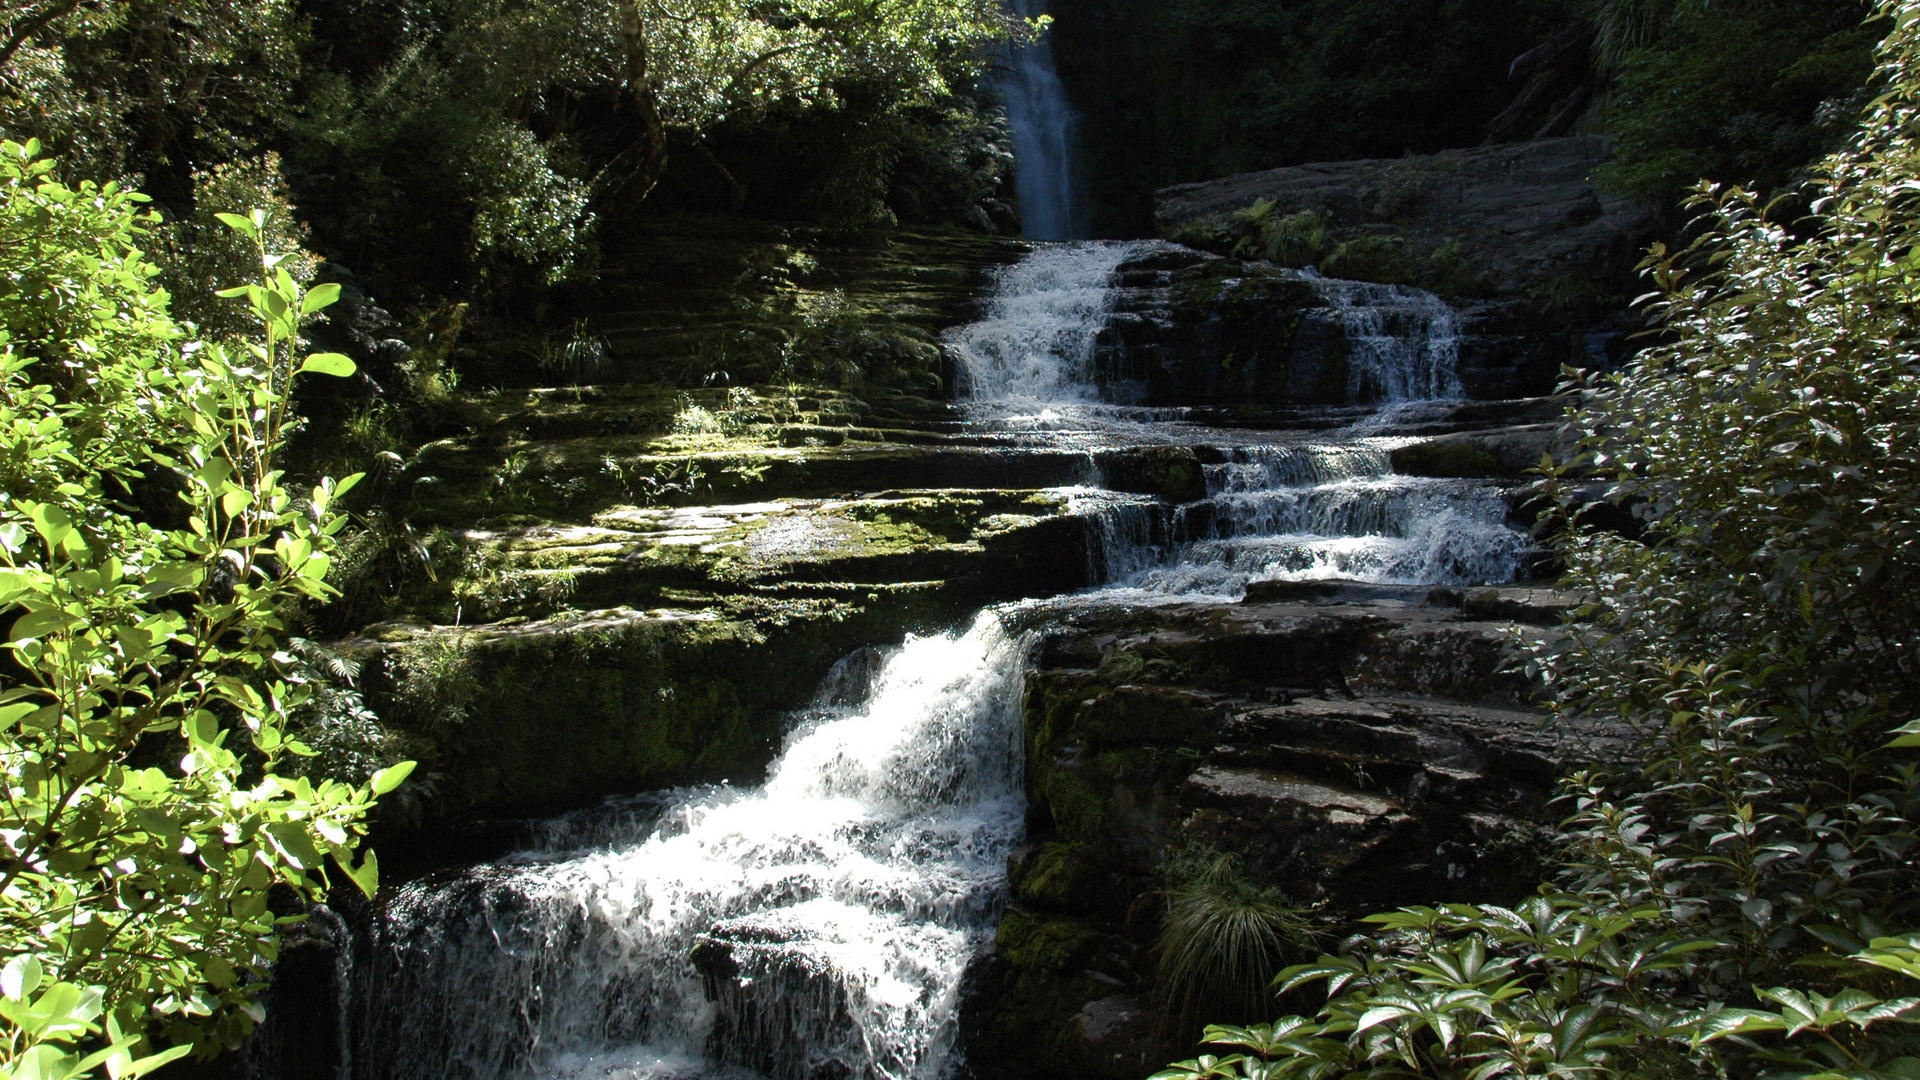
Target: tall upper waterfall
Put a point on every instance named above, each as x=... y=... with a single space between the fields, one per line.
x=1043 y=127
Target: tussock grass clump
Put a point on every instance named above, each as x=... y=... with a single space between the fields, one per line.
x=1225 y=938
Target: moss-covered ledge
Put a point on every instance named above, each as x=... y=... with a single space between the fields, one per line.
x=524 y=719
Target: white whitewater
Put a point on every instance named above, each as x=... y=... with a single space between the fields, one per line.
x=841 y=902
x=1304 y=510
x=1403 y=343
x=1043 y=125
x=1032 y=349
x=818 y=927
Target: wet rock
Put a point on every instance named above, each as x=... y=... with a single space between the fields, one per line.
x=1118 y=1038
x=1540 y=607
x=1194 y=329
x=773 y=988
x=1502 y=453
x=1190 y=329
x=1173 y=473
x=1522 y=214
x=1358 y=746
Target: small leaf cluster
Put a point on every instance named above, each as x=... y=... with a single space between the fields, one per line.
x=1553 y=986
x=50 y=1018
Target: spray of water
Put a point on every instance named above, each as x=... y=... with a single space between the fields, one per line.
x=1033 y=349
x=818 y=925
x=1403 y=344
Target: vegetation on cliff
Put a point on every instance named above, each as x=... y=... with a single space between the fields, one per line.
x=1749 y=92
x=481 y=152
x=1736 y=904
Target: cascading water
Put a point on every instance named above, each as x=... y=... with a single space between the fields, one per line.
x=1291 y=511
x=1043 y=127
x=1033 y=347
x=832 y=911
x=1403 y=344
x=818 y=927
x=1367 y=526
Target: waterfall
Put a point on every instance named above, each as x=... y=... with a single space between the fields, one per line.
x=815 y=926
x=1043 y=126
x=1310 y=512
x=1033 y=347
x=1290 y=511
x=1403 y=343
x=818 y=926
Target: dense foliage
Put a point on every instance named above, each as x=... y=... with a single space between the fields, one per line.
x=148 y=551
x=1735 y=904
x=1749 y=92
x=473 y=150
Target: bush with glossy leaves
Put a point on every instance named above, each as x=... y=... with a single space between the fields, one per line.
x=150 y=808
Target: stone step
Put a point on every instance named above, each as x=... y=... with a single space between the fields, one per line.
x=457 y=481
x=980 y=545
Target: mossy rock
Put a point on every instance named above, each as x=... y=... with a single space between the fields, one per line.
x=1507 y=453
x=1130 y=716
x=1059 y=876
x=1447 y=459
x=531 y=718
x=1048 y=945
x=1173 y=473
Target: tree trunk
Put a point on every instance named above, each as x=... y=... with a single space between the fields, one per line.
x=652 y=148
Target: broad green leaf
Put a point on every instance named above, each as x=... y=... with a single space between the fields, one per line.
x=334 y=364
x=366 y=876
x=21 y=977
x=239 y=224
x=318 y=297
x=391 y=777
x=39 y=624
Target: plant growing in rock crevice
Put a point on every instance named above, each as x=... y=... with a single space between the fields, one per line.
x=1223 y=937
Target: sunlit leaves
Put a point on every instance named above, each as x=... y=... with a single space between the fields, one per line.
x=144 y=890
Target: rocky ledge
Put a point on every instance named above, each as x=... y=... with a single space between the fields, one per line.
x=1193 y=328
x=1522 y=214
x=1359 y=747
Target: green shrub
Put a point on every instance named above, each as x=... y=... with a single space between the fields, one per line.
x=145 y=739
x=1449 y=273
x=200 y=255
x=1388 y=260
x=1299 y=239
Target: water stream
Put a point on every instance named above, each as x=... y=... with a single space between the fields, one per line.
x=1043 y=126
x=819 y=925
x=831 y=911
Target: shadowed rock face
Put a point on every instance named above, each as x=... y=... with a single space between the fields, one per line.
x=1360 y=747
x=1192 y=328
x=1522 y=214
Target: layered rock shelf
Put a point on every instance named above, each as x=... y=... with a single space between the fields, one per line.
x=1365 y=747
x=1252 y=548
